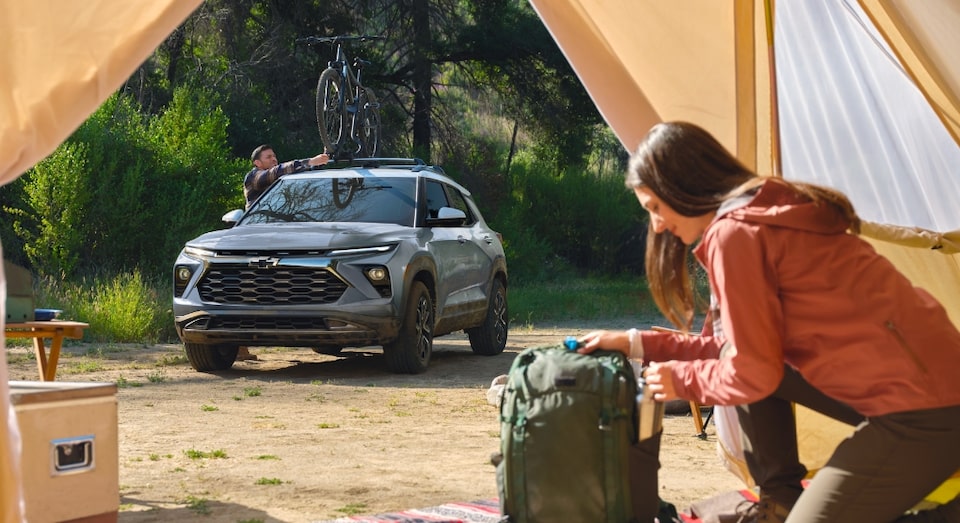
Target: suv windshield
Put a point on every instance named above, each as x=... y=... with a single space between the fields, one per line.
x=347 y=199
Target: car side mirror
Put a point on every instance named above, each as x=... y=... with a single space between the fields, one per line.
x=232 y=217
x=448 y=217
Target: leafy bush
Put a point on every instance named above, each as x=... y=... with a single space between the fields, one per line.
x=124 y=193
x=584 y=218
x=126 y=308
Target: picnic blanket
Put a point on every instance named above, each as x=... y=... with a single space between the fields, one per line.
x=481 y=511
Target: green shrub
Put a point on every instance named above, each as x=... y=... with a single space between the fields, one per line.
x=124 y=308
x=125 y=191
x=580 y=299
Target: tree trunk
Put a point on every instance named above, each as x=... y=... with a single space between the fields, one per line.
x=422 y=78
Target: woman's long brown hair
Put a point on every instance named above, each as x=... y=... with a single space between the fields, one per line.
x=689 y=170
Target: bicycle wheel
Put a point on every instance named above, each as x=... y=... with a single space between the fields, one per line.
x=330 y=113
x=368 y=122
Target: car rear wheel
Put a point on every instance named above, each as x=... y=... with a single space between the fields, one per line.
x=206 y=358
x=410 y=353
x=490 y=338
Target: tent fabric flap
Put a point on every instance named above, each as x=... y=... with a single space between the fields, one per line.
x=60 y=61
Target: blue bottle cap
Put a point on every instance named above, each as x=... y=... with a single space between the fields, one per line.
x=571 y=343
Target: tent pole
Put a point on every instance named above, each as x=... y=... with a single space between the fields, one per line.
x=768 y=6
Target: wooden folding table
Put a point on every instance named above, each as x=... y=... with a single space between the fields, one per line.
x=40 y=331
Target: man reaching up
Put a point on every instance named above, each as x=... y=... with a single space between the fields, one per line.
x=267 y=169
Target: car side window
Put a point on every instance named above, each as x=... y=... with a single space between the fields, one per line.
x=436 y=198
x=456 y=200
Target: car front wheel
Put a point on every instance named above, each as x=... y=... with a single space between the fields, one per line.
x=490 y=338
x=410 y=353
x=206 y=358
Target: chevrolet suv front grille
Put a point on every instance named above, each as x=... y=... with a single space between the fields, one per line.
x=270 y=286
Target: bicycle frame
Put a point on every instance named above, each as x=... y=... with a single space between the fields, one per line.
x=352 y=84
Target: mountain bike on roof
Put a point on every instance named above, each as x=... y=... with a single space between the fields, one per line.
x=348 y=113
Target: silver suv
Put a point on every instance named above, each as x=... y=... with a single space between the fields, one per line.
x=384 y=252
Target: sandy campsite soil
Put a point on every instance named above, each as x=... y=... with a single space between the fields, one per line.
x=300 y=437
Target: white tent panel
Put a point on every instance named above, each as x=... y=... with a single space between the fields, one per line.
x=851 y=118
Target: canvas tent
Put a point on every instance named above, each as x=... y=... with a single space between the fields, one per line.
x=60 y=61
x=860 y=95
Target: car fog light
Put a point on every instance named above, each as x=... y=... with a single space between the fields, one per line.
x=183 y=273
x=377 y=274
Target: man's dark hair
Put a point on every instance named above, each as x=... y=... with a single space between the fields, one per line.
x=255 y=155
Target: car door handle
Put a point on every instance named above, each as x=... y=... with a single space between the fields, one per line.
x=462 y=239
x=488 y=239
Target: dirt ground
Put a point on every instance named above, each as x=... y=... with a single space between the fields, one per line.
x=301 y=437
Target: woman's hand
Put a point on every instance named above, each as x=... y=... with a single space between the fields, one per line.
x=659 y=377
x=607 y=340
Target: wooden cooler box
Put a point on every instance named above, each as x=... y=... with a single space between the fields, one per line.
x=70 y=457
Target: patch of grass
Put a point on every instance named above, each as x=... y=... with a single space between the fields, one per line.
x=82 y=367
x=198 y=505
x=352 y=509
x=13 y=359
x=209 y=408
x=93 y=352
x=254 y=520
x=270 y=481
x=122 y=383
x=563 y=301
x=156 y=377
x=328 y=425
x=252 y=391
x=268 y=457
x=169 y=360
x=199 y=454
x=316 y=396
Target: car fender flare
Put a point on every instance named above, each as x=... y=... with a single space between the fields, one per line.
x=420 y=268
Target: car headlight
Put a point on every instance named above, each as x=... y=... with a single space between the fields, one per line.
x=379 y=277
x=181 y=277
x=198 y=253
x=361 y=250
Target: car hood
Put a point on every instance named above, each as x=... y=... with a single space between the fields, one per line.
x=301 y=236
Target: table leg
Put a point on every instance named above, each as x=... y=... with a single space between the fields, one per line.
x=697 y=417
x=41 y=353
x=55 y=342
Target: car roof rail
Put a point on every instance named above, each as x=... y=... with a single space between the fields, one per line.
x=381 y=162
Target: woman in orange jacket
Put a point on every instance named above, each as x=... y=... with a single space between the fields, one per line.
x=805 y=311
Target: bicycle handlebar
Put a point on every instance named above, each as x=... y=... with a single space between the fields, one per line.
x=337 y=39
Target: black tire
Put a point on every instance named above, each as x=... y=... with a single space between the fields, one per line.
x=331 y=118
x=410 y=353
x=207 y=358
x=368 y=123
x=490 y=338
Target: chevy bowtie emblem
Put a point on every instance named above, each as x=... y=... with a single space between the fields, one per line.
x=263 y=263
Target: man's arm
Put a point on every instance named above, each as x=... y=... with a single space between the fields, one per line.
x=257 y=181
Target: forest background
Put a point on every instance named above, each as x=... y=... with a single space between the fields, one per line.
x=478 y=87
